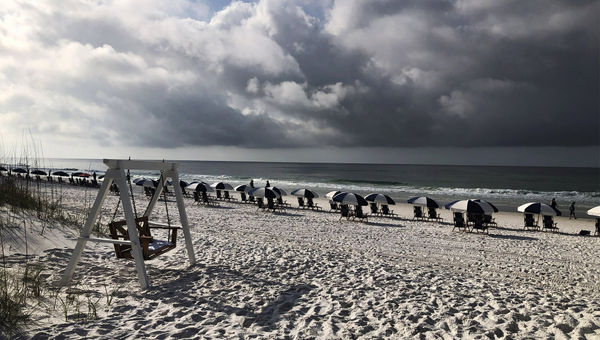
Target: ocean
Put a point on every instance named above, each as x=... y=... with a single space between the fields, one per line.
x=505 y=186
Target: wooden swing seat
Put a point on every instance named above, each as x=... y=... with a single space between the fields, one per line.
x=151 y=247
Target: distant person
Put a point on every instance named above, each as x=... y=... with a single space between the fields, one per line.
x=553 y=203
x=251 y=183
x=268 y=185
x=572 y=211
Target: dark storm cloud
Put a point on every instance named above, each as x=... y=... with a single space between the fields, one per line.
x=305 y=73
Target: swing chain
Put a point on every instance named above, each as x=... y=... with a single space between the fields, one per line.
x=132 y=195
x=164 y=183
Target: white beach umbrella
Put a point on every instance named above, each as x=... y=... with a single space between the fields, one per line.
x=424 y=201
x=264 y=192
x=280 y=191
x=222 y=186
x=350 y=198
x=331 y=194
x=199 y=186
x=243 y=188
x=595 y=211
x=471 y=206
x=379 y=198
x=538 y=208
x=305 y=193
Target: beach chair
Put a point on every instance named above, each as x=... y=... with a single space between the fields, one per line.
x=417 y=213
x=597 y=232
x=301 y=202
x=260 y=203
x=432 y=214
x=271 y=205
x=219 y=195
x=333 y=206
x=358 y=213
x=282 y=204
x=250 y=198
x=312 y=205
x=489 y=220
x=196 y=197
x=243 y=197
x=385 y=211
x=459 y=221
x=529 y=222
x=477 y=223
x=374 y=209
x=345 y=211
x=549 y=224
x=151 y=247
x=207 y=200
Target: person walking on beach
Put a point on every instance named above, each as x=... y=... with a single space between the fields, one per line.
x=267 y=185
x=251 y=183
x=572 y=211
x=553 y=203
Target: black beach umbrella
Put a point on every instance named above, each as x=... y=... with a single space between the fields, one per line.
x=488 y=203
x=39 y=172
x=221 y=186
x=538 y=208
x=471 y=206
x=424 y=201
x=60 y=173
x=19 y=170
x=263 y=192
x=306 y=193
x=379 y=198
x=3 y=168
x=350 y=198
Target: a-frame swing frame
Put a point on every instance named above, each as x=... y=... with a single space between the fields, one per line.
x=116 y=173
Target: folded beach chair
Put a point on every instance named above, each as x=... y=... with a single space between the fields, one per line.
x=418 y=212
x=358 y=213
x=301 y=202
x=549 y=224
x=459 y=221
x=477 y=223
x=529 y=222
x=219 y=194
x=597 y=232
x=345 y=211
x=312 y=205
x=385 y=211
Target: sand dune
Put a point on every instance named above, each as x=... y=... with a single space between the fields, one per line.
x=304 y=274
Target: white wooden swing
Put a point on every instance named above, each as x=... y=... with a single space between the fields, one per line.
x=116 y=173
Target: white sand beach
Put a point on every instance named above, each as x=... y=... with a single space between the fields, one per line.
x=304 y=274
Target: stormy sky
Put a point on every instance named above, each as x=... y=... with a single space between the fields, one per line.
x=220 y=79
